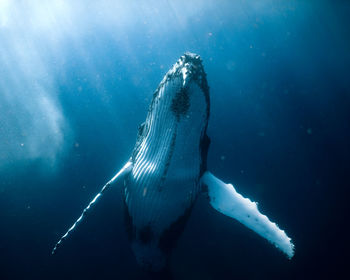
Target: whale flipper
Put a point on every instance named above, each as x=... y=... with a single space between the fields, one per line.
x=126 y=169
x=225 y=199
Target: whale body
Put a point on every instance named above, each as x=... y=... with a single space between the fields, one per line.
x=167 y=170
x=169 y=158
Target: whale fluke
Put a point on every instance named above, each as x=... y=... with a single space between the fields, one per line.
x=126 y=168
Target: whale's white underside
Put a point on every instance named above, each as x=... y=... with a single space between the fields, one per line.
x=165 y=179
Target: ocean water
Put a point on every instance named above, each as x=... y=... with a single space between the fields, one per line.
x=76 y=80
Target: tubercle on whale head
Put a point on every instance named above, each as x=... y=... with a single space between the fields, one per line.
x=190 y=68
x=175 y=93
x=190 y=65
x=194 y=65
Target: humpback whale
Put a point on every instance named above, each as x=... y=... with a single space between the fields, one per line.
x=167 y=170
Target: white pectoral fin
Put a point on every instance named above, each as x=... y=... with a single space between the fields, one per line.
x=125 y=169
x=225 y=199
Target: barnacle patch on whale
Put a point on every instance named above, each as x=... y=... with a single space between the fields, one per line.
x=180 y=103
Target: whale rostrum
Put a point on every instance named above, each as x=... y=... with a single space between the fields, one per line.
x=167 y=170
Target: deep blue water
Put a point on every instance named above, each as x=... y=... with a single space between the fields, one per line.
x=76 y=79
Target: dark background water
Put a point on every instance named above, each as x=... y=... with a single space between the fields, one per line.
x=76 y=79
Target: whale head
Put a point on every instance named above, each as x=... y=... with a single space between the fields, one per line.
x=189 y=70
x=181 y=102
x=187 y=75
